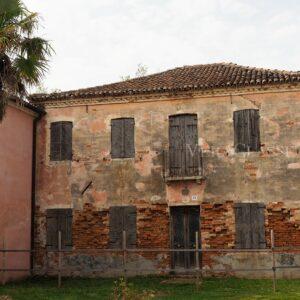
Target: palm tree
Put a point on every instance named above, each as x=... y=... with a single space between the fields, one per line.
x=23 y=56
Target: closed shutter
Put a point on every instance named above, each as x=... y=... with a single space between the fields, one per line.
x=66 y=150
x=258 y=225
x=250 y=227
x=55 y=141
x=246 y=130
x=65 y=226
x=176 y=145
x=191 y=142
x=122 y=138
x=115 y=227
x=117 y=149
x=61 y=141
x=130 y=226
x=129 y=138
x=255 y=132
x=122 y=218
x=59 y=220
x=183 y=141
x=52 y=229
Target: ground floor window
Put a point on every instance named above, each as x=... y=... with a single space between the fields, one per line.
x=250 y=225
x=59 y=220
x=122 y=218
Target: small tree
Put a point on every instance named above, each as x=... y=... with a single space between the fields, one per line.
x=141 y=71
x=23 y=56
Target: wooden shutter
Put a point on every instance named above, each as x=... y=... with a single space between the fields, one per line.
x=66 y=151
x=65 y=226
x=191 y=143
x=176 y=145
x=117 y=140
x=52 y=229
x=193 y=227
x=115 y=227
x=178 y=236
x=246 y=130
x=258 y=225
x=130 y=225
x=61 y=141
x=122 y=218
x=55 y=141
x=255 y=132
x=129 y=137
x=250 y=225
x=59 y=220
x=122 y=138
x=183 y=141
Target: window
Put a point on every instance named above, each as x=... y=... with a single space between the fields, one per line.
x=250 y=225
x=122 y=218
x=246 y=130
x=122 y=138
x=183 y=144
x=61 y=141
x=59 y=220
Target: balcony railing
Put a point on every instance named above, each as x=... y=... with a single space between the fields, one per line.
x=183 y=164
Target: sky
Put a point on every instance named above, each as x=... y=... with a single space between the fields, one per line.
x=98 y=41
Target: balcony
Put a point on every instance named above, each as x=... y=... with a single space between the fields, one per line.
x=182 y=164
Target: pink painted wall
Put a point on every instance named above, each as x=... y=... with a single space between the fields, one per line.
x=15 y=188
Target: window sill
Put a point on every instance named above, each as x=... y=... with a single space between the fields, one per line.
x=197 y=178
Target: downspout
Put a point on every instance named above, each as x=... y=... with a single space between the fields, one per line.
x=33 y=185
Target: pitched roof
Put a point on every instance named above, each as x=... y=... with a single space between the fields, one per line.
x=197 y=77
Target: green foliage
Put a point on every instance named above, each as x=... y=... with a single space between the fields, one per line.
x=143 y=287
x=126 y=291
x=23 y=56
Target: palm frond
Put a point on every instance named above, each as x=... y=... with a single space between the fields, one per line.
x=37 y=47
x=23 y=56
x=30 y=69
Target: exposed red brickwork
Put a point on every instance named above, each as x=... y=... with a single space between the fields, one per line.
x=153 y=231
x=286 y=224
x=217 y=227
x=90 y=228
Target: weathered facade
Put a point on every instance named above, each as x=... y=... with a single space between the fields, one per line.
x=167 y=155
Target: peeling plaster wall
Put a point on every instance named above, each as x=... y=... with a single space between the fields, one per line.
x=269 y=176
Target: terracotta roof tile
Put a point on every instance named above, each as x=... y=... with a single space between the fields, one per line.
x=197 y=77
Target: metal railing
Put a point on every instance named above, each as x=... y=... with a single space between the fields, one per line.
x=183 y=163
x=197 y=270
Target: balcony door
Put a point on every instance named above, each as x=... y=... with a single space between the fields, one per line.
x=183 y=145
x=184 y=225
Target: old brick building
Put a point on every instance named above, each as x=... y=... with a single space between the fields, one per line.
x=209 y=148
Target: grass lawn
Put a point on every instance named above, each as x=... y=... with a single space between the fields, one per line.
x=155 y=287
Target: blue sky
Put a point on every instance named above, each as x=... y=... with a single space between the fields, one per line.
x=98 y=41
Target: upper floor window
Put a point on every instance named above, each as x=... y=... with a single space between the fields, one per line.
x=250 y=225
x=61 y=141
x=246 y=130
x=122 y=138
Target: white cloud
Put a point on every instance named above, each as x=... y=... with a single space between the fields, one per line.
x=97 y=41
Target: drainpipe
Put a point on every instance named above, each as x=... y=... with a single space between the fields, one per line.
x=41 y=113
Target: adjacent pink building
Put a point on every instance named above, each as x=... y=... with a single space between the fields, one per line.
x=16 y=152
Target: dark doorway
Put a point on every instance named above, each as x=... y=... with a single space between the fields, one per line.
x=185 y=222
x=183 y=142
